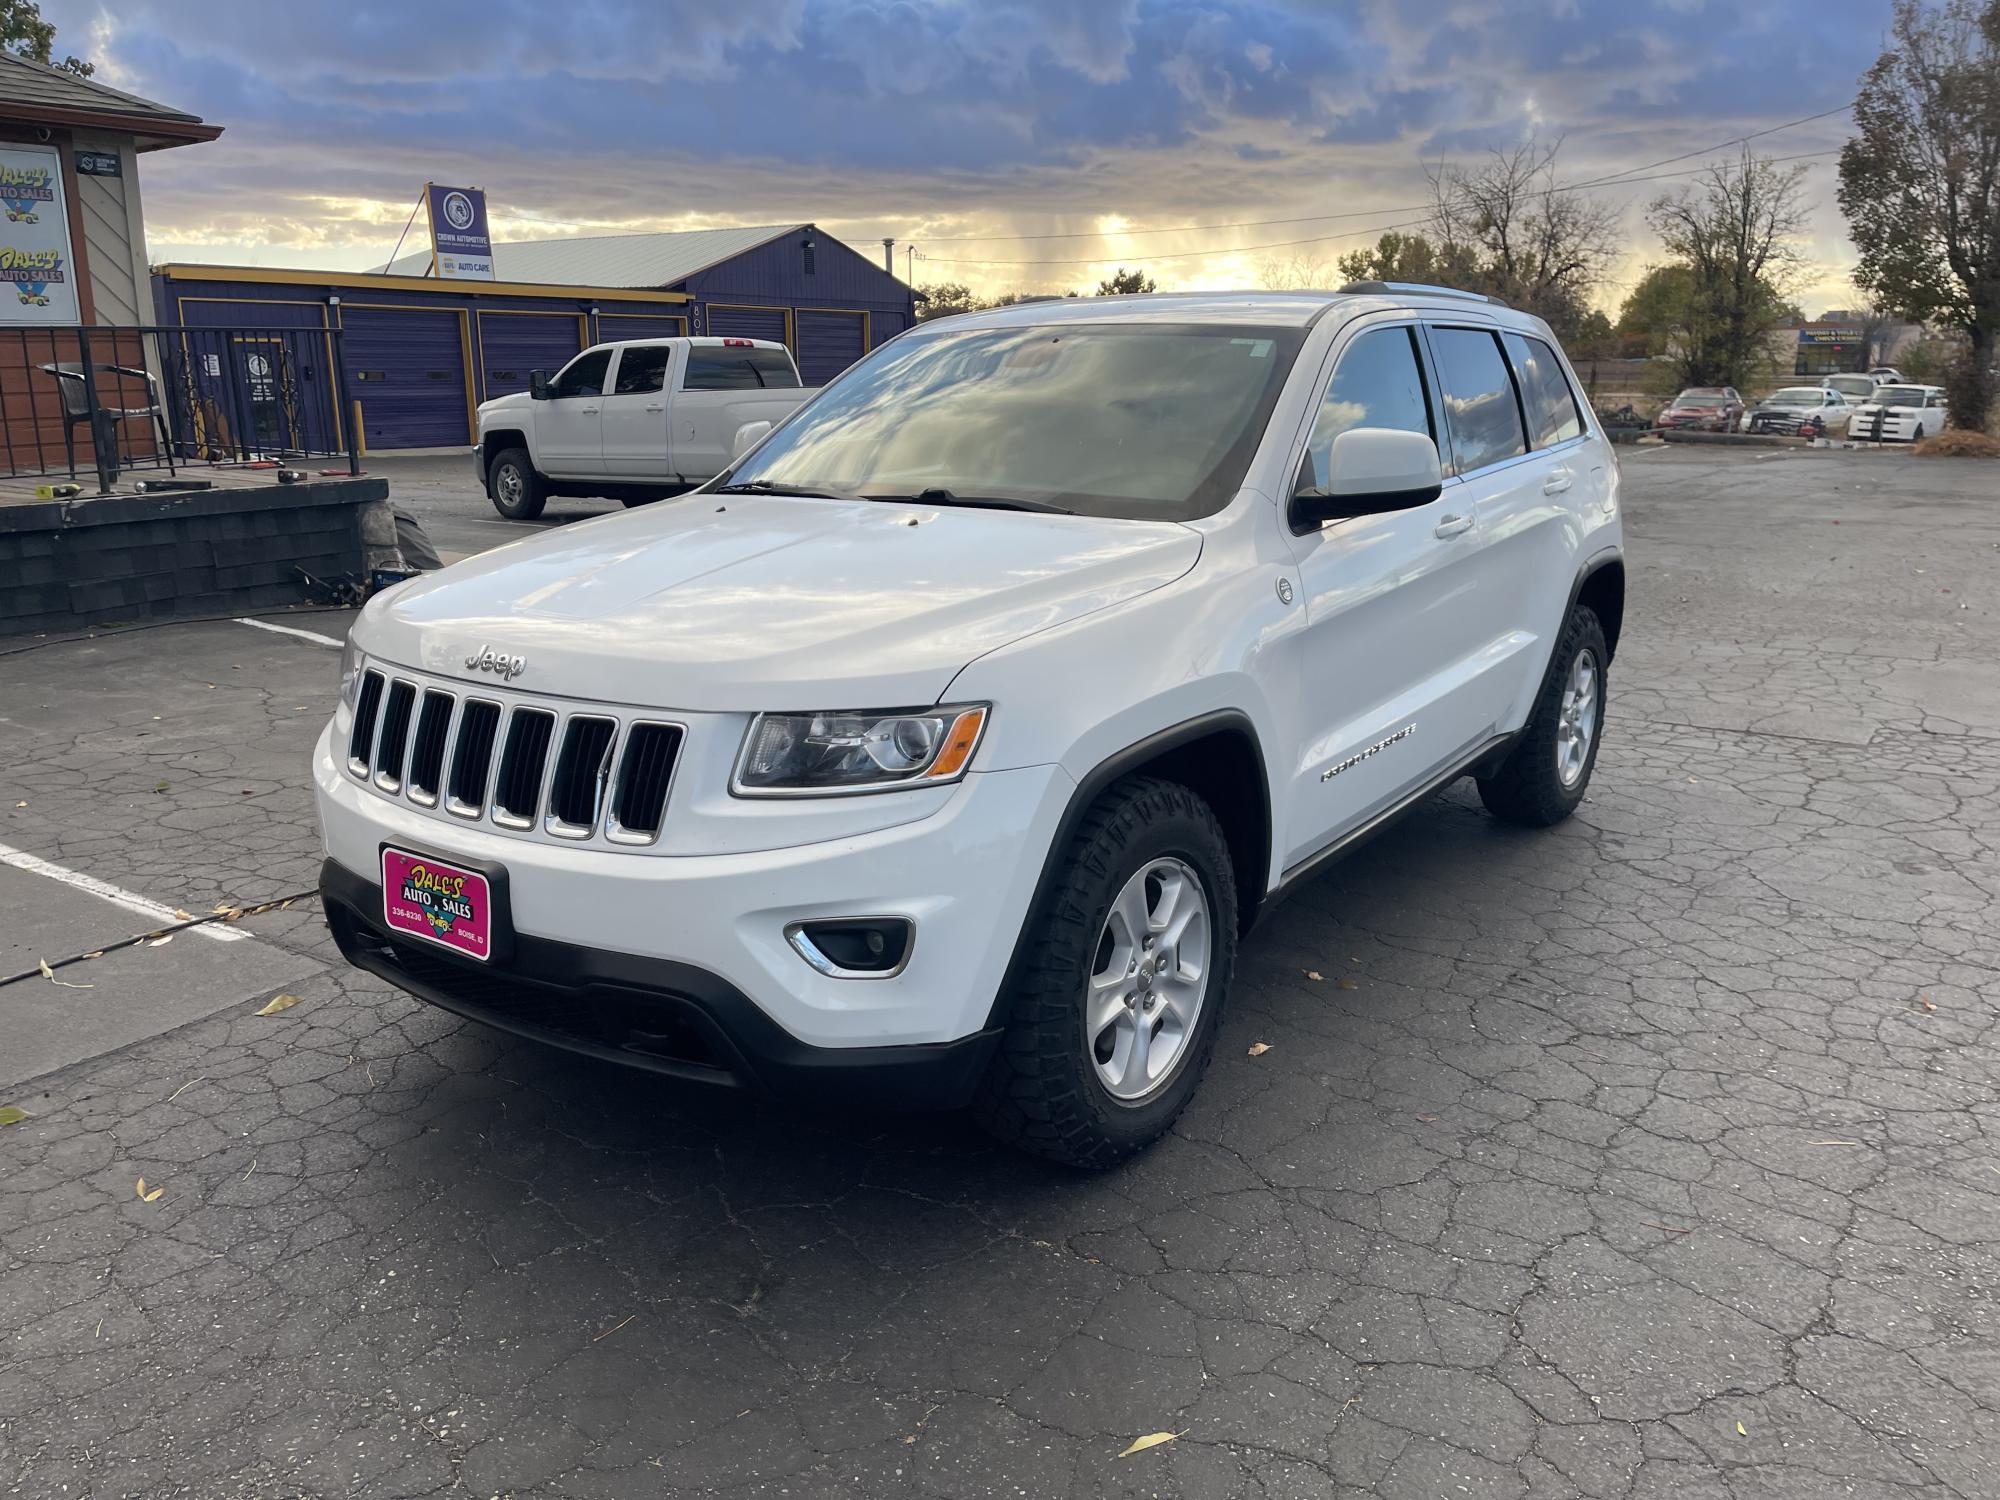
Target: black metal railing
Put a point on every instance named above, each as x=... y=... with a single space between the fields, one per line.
x=92 y=402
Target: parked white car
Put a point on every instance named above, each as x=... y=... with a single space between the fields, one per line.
x=946 y=747
x=633 y=420
x=1899 y=414
x=1856 y=388
x=1800 y=411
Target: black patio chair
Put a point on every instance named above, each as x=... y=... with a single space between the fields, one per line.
x=76 y=406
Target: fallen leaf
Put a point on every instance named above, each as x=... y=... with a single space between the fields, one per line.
x=1427 y=1119
x=161 y=940
x=277 y=1003
x=1926 y=1002
x=50 y=975
x=1258 y=1049
x=20 y=804
x=159 y=787
x=1150 y=1440
x=1314 y=975
x=185 y=916
x=12 y=1114
x=615 y=1327
x=1741 y=1431
x=1833 y=1143
x=145 y=1196
x=1349 y=984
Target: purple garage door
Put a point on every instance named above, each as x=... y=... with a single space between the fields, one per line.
x=828 y=343
x=512 y=344
x=747 y=323
x=611 y=327
x=407 y=368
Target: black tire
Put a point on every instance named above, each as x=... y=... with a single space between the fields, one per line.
x=1527 y=788
x=517 y=491
x=1039 y=1093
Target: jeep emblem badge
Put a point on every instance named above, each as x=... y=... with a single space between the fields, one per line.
x=486 y=659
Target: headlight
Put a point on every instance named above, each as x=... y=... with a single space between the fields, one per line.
x=350 y=672
x=856 y=750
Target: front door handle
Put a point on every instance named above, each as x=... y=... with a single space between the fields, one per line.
x=1453 y=526
x=1557 y=482
x=656 y=408
x=588 y=411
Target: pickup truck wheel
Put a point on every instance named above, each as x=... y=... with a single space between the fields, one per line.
x=518 y=492
x=1113 y=1018
x=1546 y=774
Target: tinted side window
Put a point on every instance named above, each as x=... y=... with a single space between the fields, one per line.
x=725 y=369
x=1552 y=408
x=642 y=371
x=583 y=376
x=1378 y=383
x=1478 y=398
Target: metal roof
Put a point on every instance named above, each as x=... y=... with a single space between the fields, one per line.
x=616 y=260
x=27 y=88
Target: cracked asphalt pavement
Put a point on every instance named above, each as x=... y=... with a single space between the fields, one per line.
x=1657 y=1155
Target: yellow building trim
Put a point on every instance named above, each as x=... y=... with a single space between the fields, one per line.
x=377 y=282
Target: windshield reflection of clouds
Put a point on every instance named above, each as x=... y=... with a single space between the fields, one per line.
x=1139 y=421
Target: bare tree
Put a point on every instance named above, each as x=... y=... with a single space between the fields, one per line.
x=1538 y=245
x=1295 y=273
x=1737 y=230
x=1920 y=184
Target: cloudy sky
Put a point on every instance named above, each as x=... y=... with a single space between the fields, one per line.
x=979 y=130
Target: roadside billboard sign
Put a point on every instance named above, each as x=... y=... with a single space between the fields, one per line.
x=461 y=248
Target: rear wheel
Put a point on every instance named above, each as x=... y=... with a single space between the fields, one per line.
x=1546 y=774
x=518 y=492
x=1113 y=1019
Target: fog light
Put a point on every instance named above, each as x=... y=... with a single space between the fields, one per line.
x=854 y=947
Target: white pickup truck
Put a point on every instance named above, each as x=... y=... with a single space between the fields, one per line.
x=632 y=420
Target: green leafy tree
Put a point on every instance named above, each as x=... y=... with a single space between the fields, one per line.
x=24 y=33
x=1735 y=236
x=940 y=299
x=1413 y=257
x=1124 y=283
x=1920 y=184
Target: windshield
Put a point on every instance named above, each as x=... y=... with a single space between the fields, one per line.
x=1899 y=395
x=1700 y=400
x=1798 y=395
x=1153 y=421
x=1851 y=385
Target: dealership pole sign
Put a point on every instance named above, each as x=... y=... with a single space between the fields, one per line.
x=37 y=270
x=461 y=248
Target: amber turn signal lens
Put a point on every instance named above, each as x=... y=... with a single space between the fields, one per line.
x=958 y=744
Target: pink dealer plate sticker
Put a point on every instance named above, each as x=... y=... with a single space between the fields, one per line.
x=431 y=899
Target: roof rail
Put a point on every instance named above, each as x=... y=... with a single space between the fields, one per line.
x=1421 y=288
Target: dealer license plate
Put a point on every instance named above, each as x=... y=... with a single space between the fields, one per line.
x=438 y=901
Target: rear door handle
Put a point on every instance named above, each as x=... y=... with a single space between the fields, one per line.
x=588 y=411
x=656 y=408
x=1453 y=526
x=1557 y=482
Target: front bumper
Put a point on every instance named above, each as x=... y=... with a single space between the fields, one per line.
x=666 y=1017
x=963 y=876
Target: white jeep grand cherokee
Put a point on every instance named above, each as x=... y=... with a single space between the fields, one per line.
x=944 y=748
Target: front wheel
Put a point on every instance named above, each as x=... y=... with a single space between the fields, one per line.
x=1113 y=1018
x=518 y=492
x=1546 y=774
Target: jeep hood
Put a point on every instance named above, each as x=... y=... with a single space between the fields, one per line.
x=735 y=603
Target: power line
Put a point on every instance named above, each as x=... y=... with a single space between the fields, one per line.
x=1150 y=257
x=1612 y=179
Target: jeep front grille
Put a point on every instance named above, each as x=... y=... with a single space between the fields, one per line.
x=578 y=776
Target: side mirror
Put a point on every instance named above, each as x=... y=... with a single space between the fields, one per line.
x=538 y=385
x=1372 y=470
x=748 y=436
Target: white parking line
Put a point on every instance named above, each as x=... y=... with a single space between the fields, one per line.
x=305 y=635
x=34 y=864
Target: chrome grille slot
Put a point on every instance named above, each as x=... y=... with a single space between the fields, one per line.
x=389 y=750
x=361 y=740
x=639 y=791
x=472 y=758
x=427 y=748
x=576 y=791
x=517 y=789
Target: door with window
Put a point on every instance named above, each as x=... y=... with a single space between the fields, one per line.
x=1516 y=494
x=635 y=413
x=1392 y=612
x=569 y=427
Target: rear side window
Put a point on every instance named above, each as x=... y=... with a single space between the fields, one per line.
x=1479 y=403
x=723 y=369
x=642 y=371
x=1553 y=414
x=1378 y=383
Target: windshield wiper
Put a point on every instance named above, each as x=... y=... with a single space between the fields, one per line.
x=772 y=487
x=937 y=495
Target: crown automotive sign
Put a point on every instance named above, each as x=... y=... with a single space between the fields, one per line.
x=461 y=249
x=37 y=271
